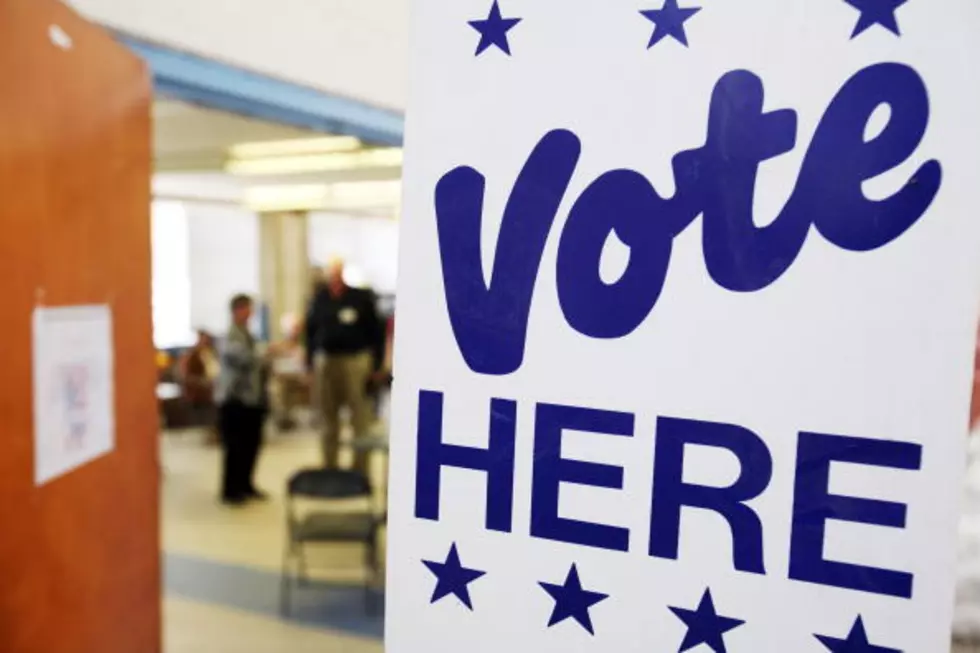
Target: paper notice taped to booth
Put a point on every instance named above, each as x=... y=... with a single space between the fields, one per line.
x=73 y=388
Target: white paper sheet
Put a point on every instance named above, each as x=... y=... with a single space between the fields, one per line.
x=73 y=388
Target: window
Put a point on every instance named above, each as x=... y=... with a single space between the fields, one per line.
x=171 y=279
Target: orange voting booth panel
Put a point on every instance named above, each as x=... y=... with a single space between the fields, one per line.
x=79 y=555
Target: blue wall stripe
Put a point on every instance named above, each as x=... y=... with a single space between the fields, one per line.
x=203 y=81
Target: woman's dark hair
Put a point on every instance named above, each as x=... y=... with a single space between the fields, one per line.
x=240 y=301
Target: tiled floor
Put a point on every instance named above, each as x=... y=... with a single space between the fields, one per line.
x=196 y=627
x=222 y=565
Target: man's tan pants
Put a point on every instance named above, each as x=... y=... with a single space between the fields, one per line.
x=342 y=381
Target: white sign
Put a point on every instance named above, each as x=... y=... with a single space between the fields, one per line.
x=73 y=388
x=686 y=313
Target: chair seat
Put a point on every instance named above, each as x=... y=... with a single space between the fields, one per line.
x=329 y=484
x=335 y=527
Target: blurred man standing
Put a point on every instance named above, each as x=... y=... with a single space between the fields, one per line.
x=346 y=338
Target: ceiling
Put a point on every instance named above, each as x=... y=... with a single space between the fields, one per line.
x=193 y=159
x=186 y=137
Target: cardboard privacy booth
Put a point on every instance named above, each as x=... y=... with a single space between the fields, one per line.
x=686 y=323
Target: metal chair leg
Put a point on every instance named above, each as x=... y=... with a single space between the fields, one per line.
x=285 y=583
x=371 y=564
x=304 y=578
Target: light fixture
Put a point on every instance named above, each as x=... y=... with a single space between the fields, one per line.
x=348 y=196
x=284 y=165
x=285 y=198
x=295 y=146
x=365 y=194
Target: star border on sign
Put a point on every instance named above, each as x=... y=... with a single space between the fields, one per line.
x=572 y=601
x=705 y=625
x=493 y=30
x=669 y=21
x=453 y=578
x=856 y=642
x=876 y=12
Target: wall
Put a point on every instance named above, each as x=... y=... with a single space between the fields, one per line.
x=203 y=254
x=369 y=246
x=224 y=260
x=171 y=281
x=354 y=48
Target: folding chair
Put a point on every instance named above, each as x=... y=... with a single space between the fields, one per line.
x=322 y=527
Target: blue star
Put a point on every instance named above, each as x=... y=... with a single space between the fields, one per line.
x=572 y=601
x=493 y=30
x=453 y=578
x=704 y=626
x=669 y=21
x=876 y=12
x=856 y=642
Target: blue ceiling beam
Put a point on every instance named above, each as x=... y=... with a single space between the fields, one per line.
x=202 y=81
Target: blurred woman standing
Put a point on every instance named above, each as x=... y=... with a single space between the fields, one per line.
x=242 y=400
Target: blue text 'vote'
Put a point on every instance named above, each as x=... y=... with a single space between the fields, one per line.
x=717 y=181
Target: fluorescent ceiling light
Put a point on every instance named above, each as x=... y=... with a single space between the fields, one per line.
x=285 y=198
x=361 y=160
x=365 y=193
x=295 y=146
x=338 y=197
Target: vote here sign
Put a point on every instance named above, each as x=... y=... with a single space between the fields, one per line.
x=686 y=324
